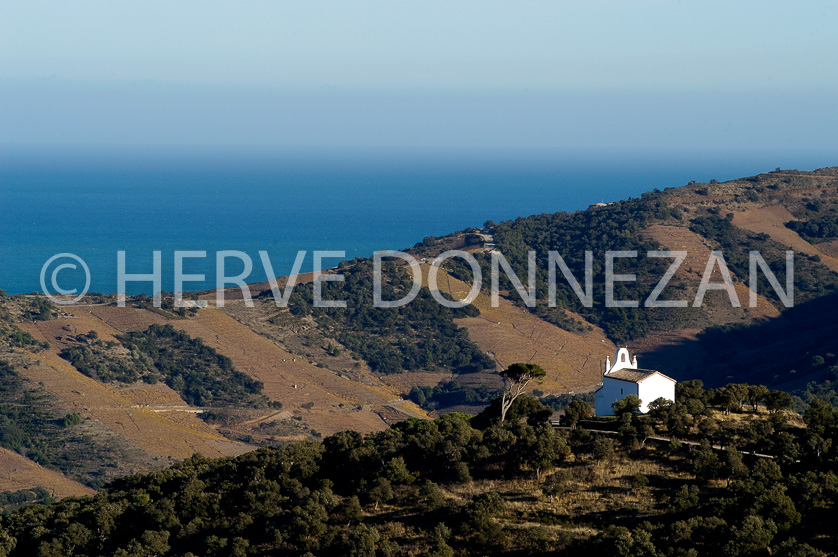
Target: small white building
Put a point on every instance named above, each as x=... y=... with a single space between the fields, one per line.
x=624 y=378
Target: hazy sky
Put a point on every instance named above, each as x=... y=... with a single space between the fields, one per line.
x=653 y=74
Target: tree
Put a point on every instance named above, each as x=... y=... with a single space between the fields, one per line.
x=603 y=448
x=431 y=498
x=690 y=390
x=644 y=431
x=541 y=450
x=619 y=541
x=151 y=544
x=705 y=462
x=396 y=471
x=362 y=541
x=680 y=420
x=575 y=411
x=777 y=400
x=351 y=511
x=516 y=378
x=660 y=409
x=75 y=536
x=642 y=544
x=755 y=534
x=734 y=467
x=820 y=417
x=7 y=541
x=480 y=519
x=755 y=395
x=785 y=446
x=439 y=537
x=675 y=447
x=71 y=419
x=381 y=492
x=538 y=540
x=530 y=408
x=695 y=408
x=775 y=505
x=581 y=441
x=417 y=395
x=686 y=497
x=818 y=445
x=555 y=483
x=308 y=522
x=524 y=406
x=628 y=435
x=732 y=396
x=627 y=406
x=708 y=427
x=791 y=548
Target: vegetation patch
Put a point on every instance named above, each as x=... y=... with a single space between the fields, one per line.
x=816 y=230
x=197 y=372
x=32 y=425
x=811 y=278
x=562 y=401
x=10 y=500
x=420 y=335
x=450 y=393
x=615 y=227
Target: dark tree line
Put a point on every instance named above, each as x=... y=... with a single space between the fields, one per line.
x=392 y=493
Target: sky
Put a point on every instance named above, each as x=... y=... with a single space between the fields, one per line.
x=535 y=74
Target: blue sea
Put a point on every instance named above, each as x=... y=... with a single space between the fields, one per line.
x=93 y=201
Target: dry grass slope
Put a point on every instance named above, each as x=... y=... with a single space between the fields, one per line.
x=771 y=220
x=509 y=333
x=717 y=309
x=339 y=403
x=18 y=472
x=119 y=407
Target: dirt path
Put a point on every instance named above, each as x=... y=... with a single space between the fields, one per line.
x=272 y=416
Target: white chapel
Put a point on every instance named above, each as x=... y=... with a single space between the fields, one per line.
x=624 y=378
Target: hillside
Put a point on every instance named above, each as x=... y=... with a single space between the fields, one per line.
x=735 y=217
x=223 y=381
x=472 y=486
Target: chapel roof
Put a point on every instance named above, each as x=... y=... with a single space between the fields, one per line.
x=633 y=375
